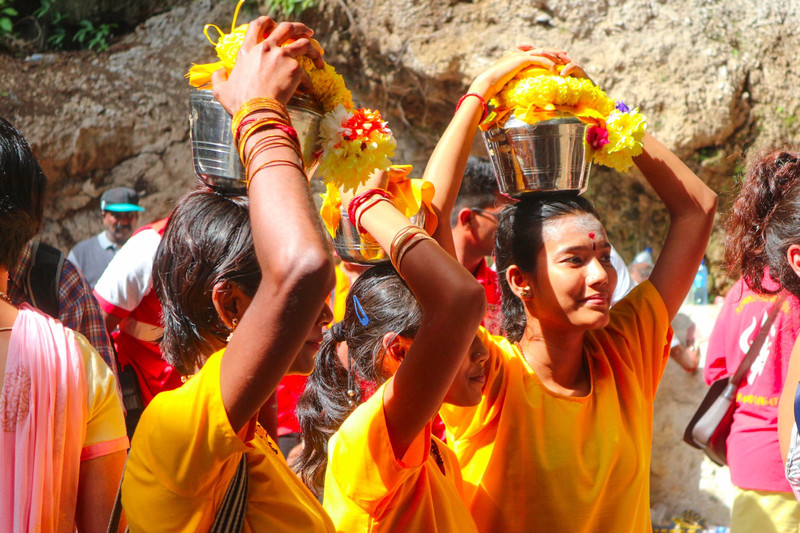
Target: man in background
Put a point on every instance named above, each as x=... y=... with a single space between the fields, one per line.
x=120 y=209
x=474 y=223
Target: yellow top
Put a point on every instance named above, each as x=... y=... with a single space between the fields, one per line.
x=105 y=427
x=338 y=297
x=368 y=490
x=534 y=460
x=184 y=454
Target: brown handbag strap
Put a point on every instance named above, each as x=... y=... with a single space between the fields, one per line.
x=758 y=342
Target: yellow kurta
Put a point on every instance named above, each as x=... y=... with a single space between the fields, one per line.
x=368 y=490
x=533 y=460
x=184 y=454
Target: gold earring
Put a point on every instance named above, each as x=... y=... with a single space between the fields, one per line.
x=525 y=293
x=234 y=323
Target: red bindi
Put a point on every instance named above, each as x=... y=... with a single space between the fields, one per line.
x=591 y=235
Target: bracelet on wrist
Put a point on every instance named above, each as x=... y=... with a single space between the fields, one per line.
x=479 y=97
x=359 y=199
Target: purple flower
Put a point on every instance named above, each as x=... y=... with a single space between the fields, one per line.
x=621 y=107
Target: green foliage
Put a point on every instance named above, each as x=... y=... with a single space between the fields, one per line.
x=55 y=30
x=290 y=8
x=90 y=36
x=6 y=14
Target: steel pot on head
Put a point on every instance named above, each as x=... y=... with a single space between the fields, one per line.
x=216 y=161
x=351 y=247
x=549 y=156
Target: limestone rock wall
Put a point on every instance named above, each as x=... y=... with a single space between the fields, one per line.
x=715 y=79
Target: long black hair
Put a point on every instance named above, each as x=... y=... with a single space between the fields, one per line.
x=22 y=187
x=518 y=241
x=207 y=240
x=379 y=302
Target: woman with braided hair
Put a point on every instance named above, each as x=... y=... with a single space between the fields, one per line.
x=759 y=229
x=379 y=379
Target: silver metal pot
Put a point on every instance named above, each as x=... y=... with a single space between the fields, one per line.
x=548 y=156
x=216 y=161
x=351 y=247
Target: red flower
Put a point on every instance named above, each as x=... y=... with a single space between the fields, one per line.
x=597 y=137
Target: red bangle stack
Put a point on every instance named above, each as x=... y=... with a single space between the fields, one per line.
x=360 y=200
x=479 y=97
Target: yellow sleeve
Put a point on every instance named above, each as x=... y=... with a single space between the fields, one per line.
x=184 y=439
x=105 y=427
x=361 y=460
x=639 y=336
x=464 y=422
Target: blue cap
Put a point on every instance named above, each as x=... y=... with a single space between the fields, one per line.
x=120 y=200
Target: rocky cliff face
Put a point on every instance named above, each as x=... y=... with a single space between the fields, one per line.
x=714 y=78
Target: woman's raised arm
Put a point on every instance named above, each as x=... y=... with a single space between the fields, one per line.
x=691 y=205
x=290 y=244
x=445 y=168
x=453 y=305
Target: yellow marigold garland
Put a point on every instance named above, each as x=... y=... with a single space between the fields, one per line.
x=326 y=85
x=536 y=94
x=354 y=142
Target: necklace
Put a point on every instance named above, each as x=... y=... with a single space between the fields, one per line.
x=5 y=297
x=437 y=456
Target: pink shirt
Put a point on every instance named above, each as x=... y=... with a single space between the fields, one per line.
x=753 y=453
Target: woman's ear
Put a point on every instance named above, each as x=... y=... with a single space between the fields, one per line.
x=465 y=216
x=793 y=257
x=394 y=348
x=229 y=301
x=519 y=283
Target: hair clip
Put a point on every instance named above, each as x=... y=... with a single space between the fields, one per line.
x=360 y=314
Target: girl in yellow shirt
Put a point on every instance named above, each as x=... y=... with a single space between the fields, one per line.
x=384 y=470
x=367 y=416
x=561 y=438
x=213 y=275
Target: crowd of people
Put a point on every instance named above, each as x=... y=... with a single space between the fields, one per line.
x=442 y=394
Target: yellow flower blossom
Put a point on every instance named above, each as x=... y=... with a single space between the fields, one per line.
x=354 y=144
x=536 y=94
x=625 y=134
x=327 y=86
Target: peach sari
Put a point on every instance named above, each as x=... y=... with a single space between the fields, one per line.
x=43 y=412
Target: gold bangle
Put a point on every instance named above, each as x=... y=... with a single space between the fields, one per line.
x=275 y=163
x=400 y=241
x=262 y=125
x=366 y=206
x=409 y=244
x=266 y=143
x=264 y=103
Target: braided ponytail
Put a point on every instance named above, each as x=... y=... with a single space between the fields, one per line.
x=341 y=382
x=321 y=410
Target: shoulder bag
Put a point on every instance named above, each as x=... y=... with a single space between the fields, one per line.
x=709 y=428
